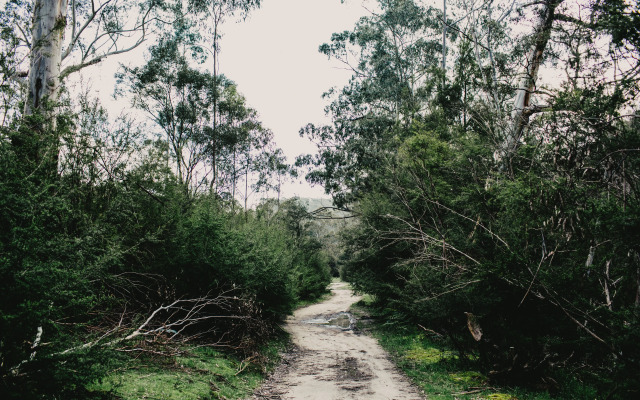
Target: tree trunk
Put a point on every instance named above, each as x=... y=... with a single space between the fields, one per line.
x=444 y=39
x=49 y=21
x=527 y=86
x=37 y=144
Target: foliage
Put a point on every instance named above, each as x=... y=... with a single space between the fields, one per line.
x=426 y=358
x=211 y=133
x=310 y=271
x=117 y=244
x=521 y=250
x=53 y=261
x=94 y=257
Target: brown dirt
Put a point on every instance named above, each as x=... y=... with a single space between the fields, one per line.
x=332 y=363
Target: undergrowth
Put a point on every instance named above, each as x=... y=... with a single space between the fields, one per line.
x=197 y=373
x=439 y=371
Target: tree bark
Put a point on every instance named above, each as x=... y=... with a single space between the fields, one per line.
x=36 y=144
x=527 y=86
x=49 y=22
x=444 y=38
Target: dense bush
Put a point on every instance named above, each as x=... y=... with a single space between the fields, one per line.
x=84 y=261
x=544 y=261
x=497 y=207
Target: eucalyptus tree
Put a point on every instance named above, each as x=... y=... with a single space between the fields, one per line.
x=230 y=140
x=511 y=191
x=488 y=49
x=11 y=52
x=184 y=102
x=235 y=148
x=395 y=58
x=210 y=16
x=523 y=106
x=273 y=171
x=178 y=99
x=68 y=36
x=55 y=39
x=566 y=36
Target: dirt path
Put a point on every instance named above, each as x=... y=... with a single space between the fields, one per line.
x=333 y=362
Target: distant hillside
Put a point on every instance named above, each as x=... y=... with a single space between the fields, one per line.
x=322 y=208
x=313 y=204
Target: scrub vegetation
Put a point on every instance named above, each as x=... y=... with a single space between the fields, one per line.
x=130 y=262
x=198 y=373
x=442 y=372
x=484 y=164
x=489 y=157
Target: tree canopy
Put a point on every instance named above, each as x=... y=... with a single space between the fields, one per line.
x=504 y=187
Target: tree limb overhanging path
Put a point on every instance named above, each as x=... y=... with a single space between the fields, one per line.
x=328 y=362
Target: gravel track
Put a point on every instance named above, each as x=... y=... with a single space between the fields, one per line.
x=330 y=362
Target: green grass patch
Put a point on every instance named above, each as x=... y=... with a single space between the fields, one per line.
x=499 y=396
x=474 y=378
x=367 y=300
x=426 y=355
x=199 y=373
x=435 y=368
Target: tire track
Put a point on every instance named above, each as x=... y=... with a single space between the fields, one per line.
x=333 y=362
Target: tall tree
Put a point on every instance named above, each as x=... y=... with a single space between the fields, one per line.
x=527 y=85
x=394 y=56
x=211 y=15
x=178 y=99
x=66 y=37
x=504 y=193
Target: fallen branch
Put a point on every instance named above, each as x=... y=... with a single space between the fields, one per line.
x=176 y=322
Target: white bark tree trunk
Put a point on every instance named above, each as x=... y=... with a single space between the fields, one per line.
x=49 y=21
x=527 y=86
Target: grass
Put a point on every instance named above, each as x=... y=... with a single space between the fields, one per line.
x=439 y=372
x=200 y=373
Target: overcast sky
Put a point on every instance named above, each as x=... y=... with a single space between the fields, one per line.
x=273 y=57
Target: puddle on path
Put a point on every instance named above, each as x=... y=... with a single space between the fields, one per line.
x=342 y=320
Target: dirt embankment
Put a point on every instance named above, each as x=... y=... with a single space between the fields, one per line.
x=331 y=361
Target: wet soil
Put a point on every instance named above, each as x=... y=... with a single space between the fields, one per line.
x=330 y=359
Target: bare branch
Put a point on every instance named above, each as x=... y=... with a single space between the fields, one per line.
x=75 y=36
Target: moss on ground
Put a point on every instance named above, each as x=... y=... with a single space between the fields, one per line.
x=199 y=373
x=426 y=355
x=440 y=372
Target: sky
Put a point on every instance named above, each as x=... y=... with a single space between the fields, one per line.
x=273 y=57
